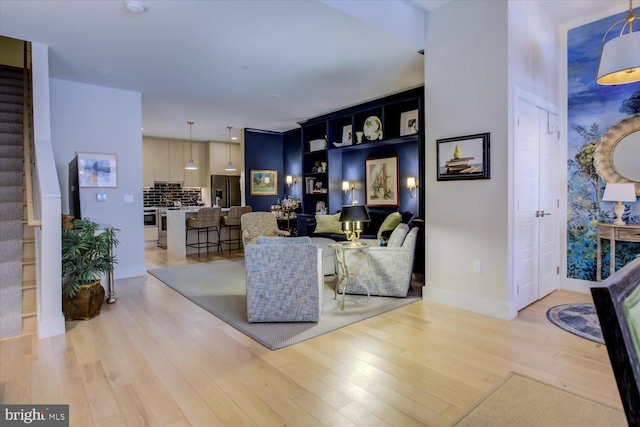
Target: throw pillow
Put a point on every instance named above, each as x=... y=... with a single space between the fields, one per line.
x=398 y=235
x=328 y=224
x=389 y=223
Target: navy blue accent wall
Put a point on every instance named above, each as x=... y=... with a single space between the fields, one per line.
x=292 y=161
x=263 y=150
x=353 y=171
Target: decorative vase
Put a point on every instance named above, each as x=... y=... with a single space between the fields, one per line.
x=86 y=304
x=359 y=136
x=324 y=166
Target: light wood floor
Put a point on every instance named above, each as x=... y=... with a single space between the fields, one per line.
x=154 y=358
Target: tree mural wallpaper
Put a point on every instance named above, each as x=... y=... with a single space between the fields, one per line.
x=592 y=110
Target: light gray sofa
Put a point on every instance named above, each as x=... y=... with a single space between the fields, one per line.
x=387 y=268
x=284 y=280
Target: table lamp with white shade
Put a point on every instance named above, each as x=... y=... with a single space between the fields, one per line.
x=619 y=192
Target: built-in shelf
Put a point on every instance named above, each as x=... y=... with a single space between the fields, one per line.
x=334 y=127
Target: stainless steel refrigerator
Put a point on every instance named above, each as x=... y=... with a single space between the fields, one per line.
x=226 y=190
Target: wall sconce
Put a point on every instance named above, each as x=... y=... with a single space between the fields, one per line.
x=412 y=185
x=346 y=186
x=290 y=180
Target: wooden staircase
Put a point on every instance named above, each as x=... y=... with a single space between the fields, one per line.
x=19 y=292
x=29 y=304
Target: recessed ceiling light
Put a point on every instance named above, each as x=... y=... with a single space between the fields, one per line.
x=234 y=138
x=136 y=7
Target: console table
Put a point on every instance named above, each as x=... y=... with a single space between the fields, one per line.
x=613 y=233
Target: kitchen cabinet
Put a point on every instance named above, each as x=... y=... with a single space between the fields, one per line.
x=176 y=161
x=195 y=152
x=147 y=163
x=161 y=160
x=164 y=160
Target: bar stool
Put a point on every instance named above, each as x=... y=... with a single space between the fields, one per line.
x=206 y=219
x=232 y=221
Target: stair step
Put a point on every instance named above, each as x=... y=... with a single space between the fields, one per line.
x=30 y=325
x=28 y=249
x=11 y=194
x=12 y=150
x=10 y=229
x=29 y=306
x=28 y=272
x=28 y=232
x=12 y=164
x=11 y=72
x=12 y=210
x=11 y=138
x=6 y=88
x=8 y=98
x=28 y=284
x=11 y=178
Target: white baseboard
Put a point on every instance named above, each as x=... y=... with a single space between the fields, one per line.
x=51 y=327
x=484 y=306
x=577 y=285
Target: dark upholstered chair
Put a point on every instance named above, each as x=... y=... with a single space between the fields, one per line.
x=617 y=302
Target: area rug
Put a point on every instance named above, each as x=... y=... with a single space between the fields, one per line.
x=579 y=319
x=219 y=288
x=524 y=402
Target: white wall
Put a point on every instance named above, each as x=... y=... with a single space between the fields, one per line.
x=466 y=92
x=86 y=118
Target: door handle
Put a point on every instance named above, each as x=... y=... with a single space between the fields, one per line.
x=542 y=213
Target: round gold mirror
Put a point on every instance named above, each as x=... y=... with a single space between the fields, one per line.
x=617 y=154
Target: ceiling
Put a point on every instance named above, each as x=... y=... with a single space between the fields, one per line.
x=264 y=64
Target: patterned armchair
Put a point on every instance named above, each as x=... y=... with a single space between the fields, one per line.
x=387 y=268
x=256 y=224
x=279 y=290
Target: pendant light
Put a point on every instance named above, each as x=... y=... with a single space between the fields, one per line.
x=620 y=57
x=191 y=165
x=230 y=167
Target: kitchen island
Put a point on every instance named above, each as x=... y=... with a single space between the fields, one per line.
x=177 y=227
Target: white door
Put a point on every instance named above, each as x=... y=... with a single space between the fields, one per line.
x=535 y=203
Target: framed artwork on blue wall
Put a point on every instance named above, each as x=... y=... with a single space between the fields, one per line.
x=381 y=178
x=264 y=182
x=463 y=157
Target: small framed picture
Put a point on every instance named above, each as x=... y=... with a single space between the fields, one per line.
x=463 y=157
x=264 y=182
x=346 y=135
x=409 y=123
x=97 y=170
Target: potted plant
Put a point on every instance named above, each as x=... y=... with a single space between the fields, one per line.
x=87 y=253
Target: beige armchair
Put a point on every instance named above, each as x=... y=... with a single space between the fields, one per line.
x=255 y=224
x=385 y=270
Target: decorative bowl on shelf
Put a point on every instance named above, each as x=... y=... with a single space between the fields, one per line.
x=372 y=128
